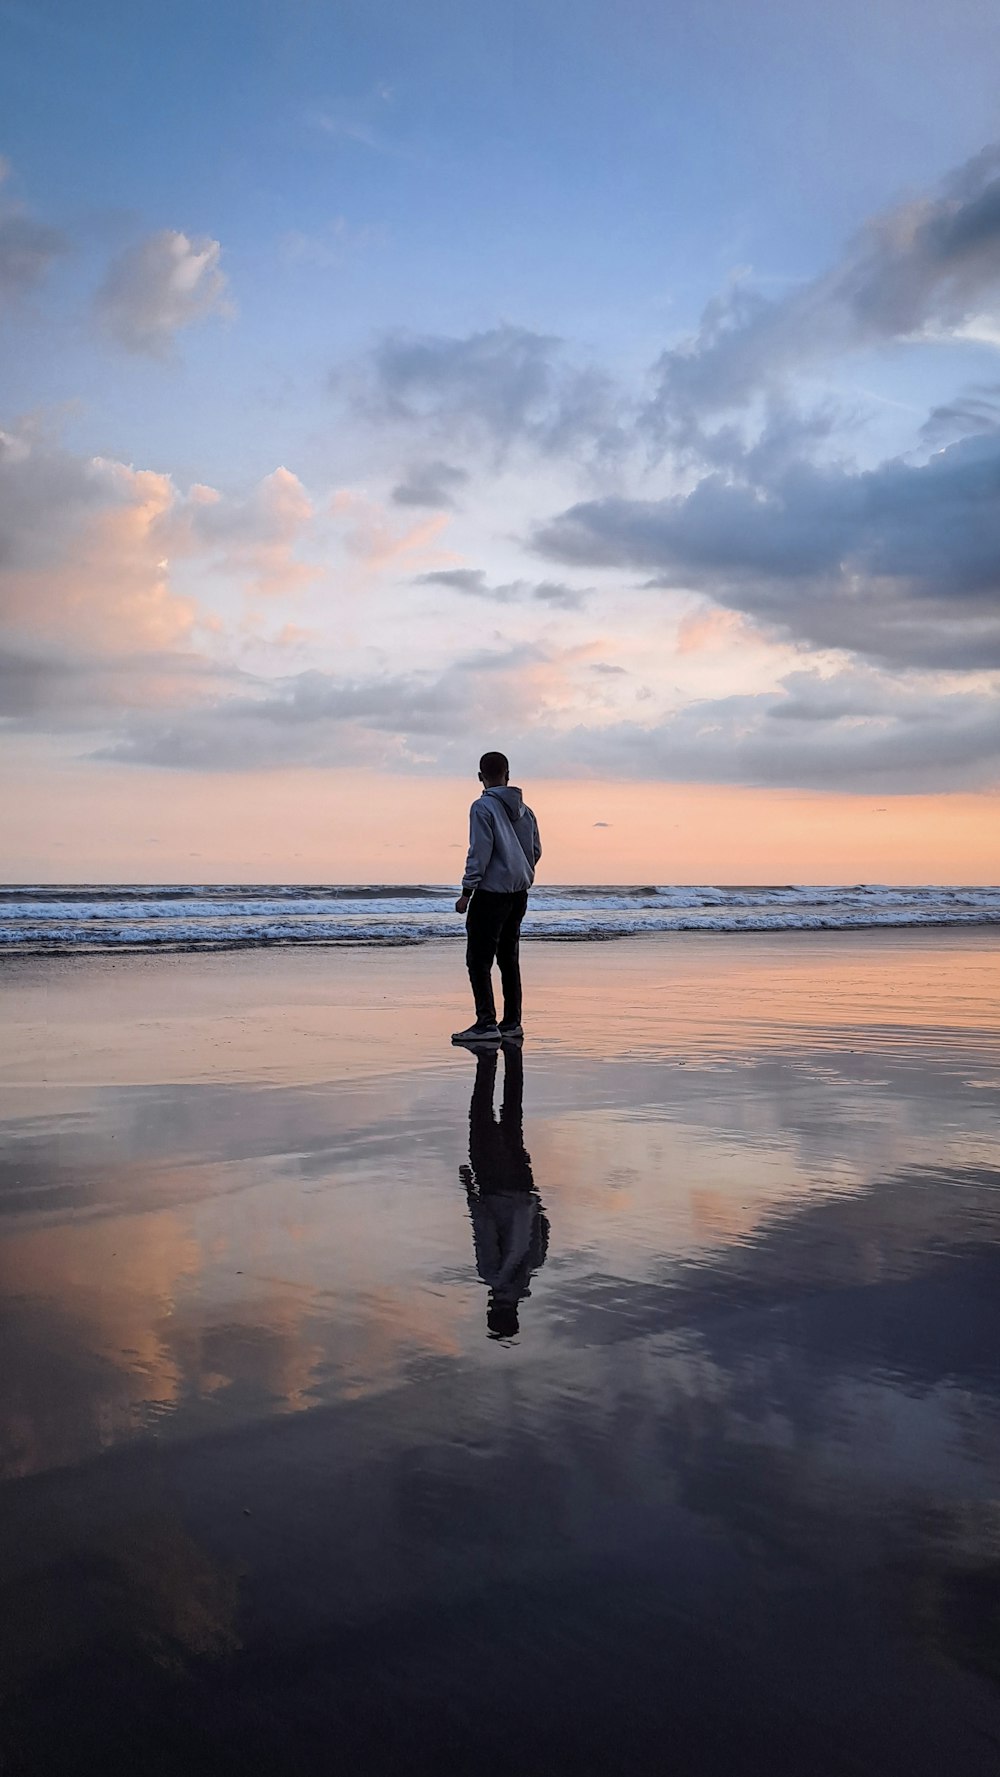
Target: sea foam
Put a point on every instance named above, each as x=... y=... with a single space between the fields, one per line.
x=83 y=918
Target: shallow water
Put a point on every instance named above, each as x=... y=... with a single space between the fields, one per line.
x=299 y=1471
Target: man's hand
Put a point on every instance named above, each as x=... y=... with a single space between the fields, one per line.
x=462 y=903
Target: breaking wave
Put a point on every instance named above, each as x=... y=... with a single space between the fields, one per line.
x=82 y=918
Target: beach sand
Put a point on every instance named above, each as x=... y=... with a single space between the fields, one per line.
x=728 y=1501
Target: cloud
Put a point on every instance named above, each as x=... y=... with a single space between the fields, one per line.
x=927 y=267
x=503 y=386
x=858 y=729
x=48 y=689
x=900 y=563
x=931 y=264
x=318 y=718
x=27 y=251
x=254 y=538
x=371 y=537
x=161 y=285
x=96 y=641
x=470 y=581
x=309 y=718
x=82 y=550
x=91 y=625
x=89 y=554
x=565 y=598
x=978 y=410
x=30 y=683
x=88 y=549
x=45 y=492
x=351 y=120
x=28 y=248
x=473 y=583
x=430 y=484
x=702 y=632
x=95 y=636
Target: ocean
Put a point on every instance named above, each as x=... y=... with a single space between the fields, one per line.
x=85 y=918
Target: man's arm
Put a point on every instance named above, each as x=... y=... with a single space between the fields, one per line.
x=537 y=848
x=480 y=852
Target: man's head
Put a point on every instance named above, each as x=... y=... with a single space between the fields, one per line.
x=493 y=770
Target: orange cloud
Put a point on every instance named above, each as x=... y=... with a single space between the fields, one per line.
x=111 y=588
x=90 y=543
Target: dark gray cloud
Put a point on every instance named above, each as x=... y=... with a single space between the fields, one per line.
x=977 y=410
x=900 y=563
x=27 y=251
x=473 y=583
x=430 y=484
x=504 y=386
x=930 y=263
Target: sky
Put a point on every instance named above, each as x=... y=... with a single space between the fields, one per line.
x=617 y=385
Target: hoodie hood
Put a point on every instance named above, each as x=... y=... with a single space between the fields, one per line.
x=511 y=797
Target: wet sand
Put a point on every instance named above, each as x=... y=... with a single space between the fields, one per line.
x=654 y=1424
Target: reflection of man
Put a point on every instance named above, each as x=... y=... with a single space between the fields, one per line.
x=509 y=1227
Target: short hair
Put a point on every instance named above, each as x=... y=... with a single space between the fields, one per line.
x=494 y=765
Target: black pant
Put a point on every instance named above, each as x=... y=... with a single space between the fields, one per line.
x=493 y=926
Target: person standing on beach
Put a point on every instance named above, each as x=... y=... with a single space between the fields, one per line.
x=503 y=850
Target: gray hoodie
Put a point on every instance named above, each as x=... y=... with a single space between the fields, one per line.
x=503 y=843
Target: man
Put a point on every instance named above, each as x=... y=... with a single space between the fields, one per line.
x=500 y=868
